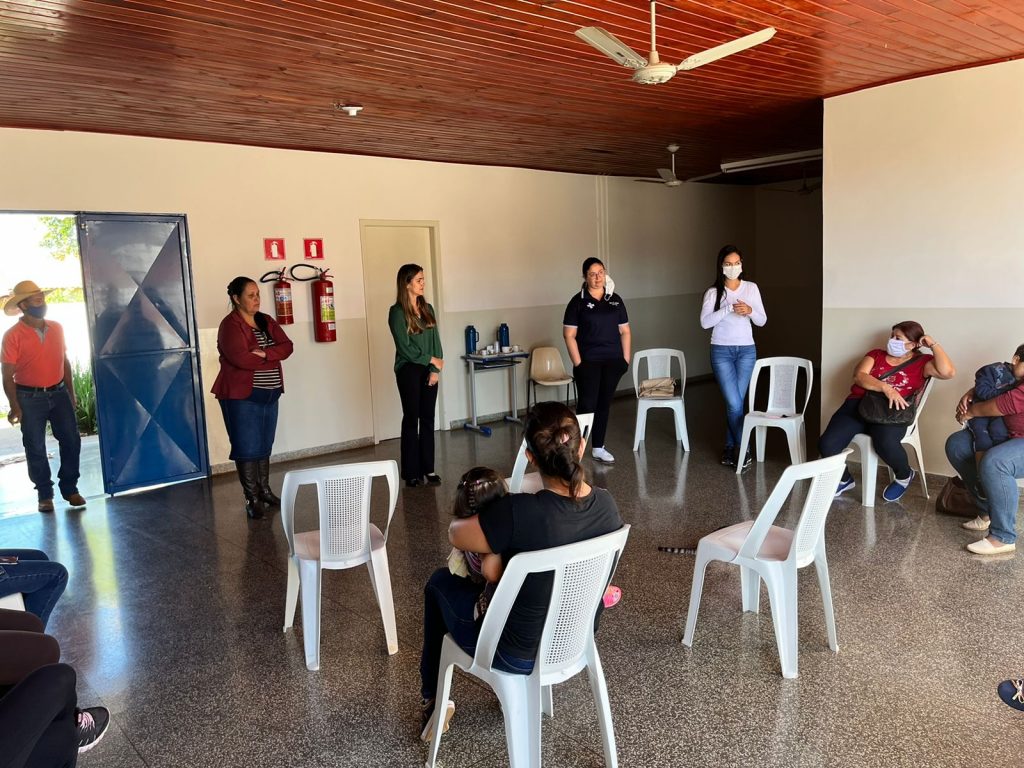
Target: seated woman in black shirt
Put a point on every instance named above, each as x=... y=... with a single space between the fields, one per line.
x=567 y=510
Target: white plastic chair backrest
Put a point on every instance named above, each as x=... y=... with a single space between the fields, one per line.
x=343 y=497
x=925 y=391
x=546 y=363
x=515 y=481
x=783 y=373
x=13 y=602
x=581 y=574
x=824 y=475
x=659 y=366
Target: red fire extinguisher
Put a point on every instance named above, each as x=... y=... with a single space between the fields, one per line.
x=322 y=291
x=282 y=296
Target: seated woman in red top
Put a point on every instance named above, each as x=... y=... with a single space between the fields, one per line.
x=252 y=346
x=904 y=346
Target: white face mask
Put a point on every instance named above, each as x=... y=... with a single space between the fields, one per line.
x=897 y=347
x=732 y=271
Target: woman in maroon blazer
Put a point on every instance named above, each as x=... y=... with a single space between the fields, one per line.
x=252 y=346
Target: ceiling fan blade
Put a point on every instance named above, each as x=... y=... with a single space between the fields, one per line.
x=611 y=46
x=728 y=49
x=666 y=174
x=650 y=181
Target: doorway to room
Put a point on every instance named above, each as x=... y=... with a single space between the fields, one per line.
x=44 y=248
x=131 y=338
x=386 y=246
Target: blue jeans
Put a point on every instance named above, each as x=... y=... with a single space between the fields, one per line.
x=448 y=602
x=733 y=367
x=846 y=423
x=998 y=472
x=251 y=424
x=988 y=432
x=39 y=580
x=36 y=409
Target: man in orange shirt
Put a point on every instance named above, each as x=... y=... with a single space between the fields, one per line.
x=37 y=381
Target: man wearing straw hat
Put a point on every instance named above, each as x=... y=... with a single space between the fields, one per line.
x=37 y=381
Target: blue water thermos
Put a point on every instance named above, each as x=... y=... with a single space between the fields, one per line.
x=472 y=337
x=503 y=335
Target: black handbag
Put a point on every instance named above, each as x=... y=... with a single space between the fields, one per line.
x=874 y=406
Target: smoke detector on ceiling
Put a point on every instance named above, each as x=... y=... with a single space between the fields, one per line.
x=349 y=109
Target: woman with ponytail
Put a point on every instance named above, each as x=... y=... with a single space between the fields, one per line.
x=731 y=307
x=567 y=510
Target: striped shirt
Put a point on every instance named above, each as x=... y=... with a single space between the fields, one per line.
x=270 y=379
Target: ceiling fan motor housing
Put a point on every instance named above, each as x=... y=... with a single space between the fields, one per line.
x=655 y=74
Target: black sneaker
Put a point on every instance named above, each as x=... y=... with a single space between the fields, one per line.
x=427 y=719
x=92 y=725
x=1012 y=692
x=748 y=459
x=414 y=482
x=729 y=457
x=433 y=478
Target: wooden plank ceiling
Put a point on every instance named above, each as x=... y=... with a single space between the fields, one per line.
x=500 y=83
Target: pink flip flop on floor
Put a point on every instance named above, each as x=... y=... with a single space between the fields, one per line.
x=612 y=595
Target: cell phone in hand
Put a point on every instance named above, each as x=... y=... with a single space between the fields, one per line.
x=8 y=559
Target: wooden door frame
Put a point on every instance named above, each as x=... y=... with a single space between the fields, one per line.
x=434 y=228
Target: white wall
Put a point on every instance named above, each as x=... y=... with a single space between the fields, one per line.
x=511 y=245
x=924 y=220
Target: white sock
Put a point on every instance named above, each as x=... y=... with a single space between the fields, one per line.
x=906 y=482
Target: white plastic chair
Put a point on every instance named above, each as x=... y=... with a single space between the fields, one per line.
x=659 y=365
x=869 y=459
x=764 y=551
x=346 y=538
x=520 y=482
x=13 y=602
x=782 y=411
x=581 y=574
x=547 y=370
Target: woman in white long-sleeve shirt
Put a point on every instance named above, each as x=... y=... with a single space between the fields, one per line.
x=729 y=308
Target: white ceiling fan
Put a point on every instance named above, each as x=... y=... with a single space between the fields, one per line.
x=668 y=176
x=653 y=70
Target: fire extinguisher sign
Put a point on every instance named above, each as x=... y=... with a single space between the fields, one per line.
x=273 y=248
x=313 y=248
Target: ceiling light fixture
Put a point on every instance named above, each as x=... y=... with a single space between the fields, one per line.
x=349 y=109
x=770 y=161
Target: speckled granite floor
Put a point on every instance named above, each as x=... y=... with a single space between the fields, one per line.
x=174 y=610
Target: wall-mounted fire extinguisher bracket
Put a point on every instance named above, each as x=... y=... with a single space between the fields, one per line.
x=282 y=295
x=322 y=292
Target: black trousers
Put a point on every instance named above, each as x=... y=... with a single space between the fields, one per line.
x=418 y=401
x=885 y=438
x=38 y=720
x=596 y=382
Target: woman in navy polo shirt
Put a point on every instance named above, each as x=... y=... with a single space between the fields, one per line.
x=596 y=331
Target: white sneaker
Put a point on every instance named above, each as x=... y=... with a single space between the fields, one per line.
x=986 y=547
x=977 y=524
x=600 y=454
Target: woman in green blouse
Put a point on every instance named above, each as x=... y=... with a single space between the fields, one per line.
x=418 y=363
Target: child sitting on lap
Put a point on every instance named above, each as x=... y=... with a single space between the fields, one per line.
x=991 y=381
x=476 y=489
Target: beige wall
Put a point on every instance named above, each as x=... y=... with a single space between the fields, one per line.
x=511 y=245
x=924 y=220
